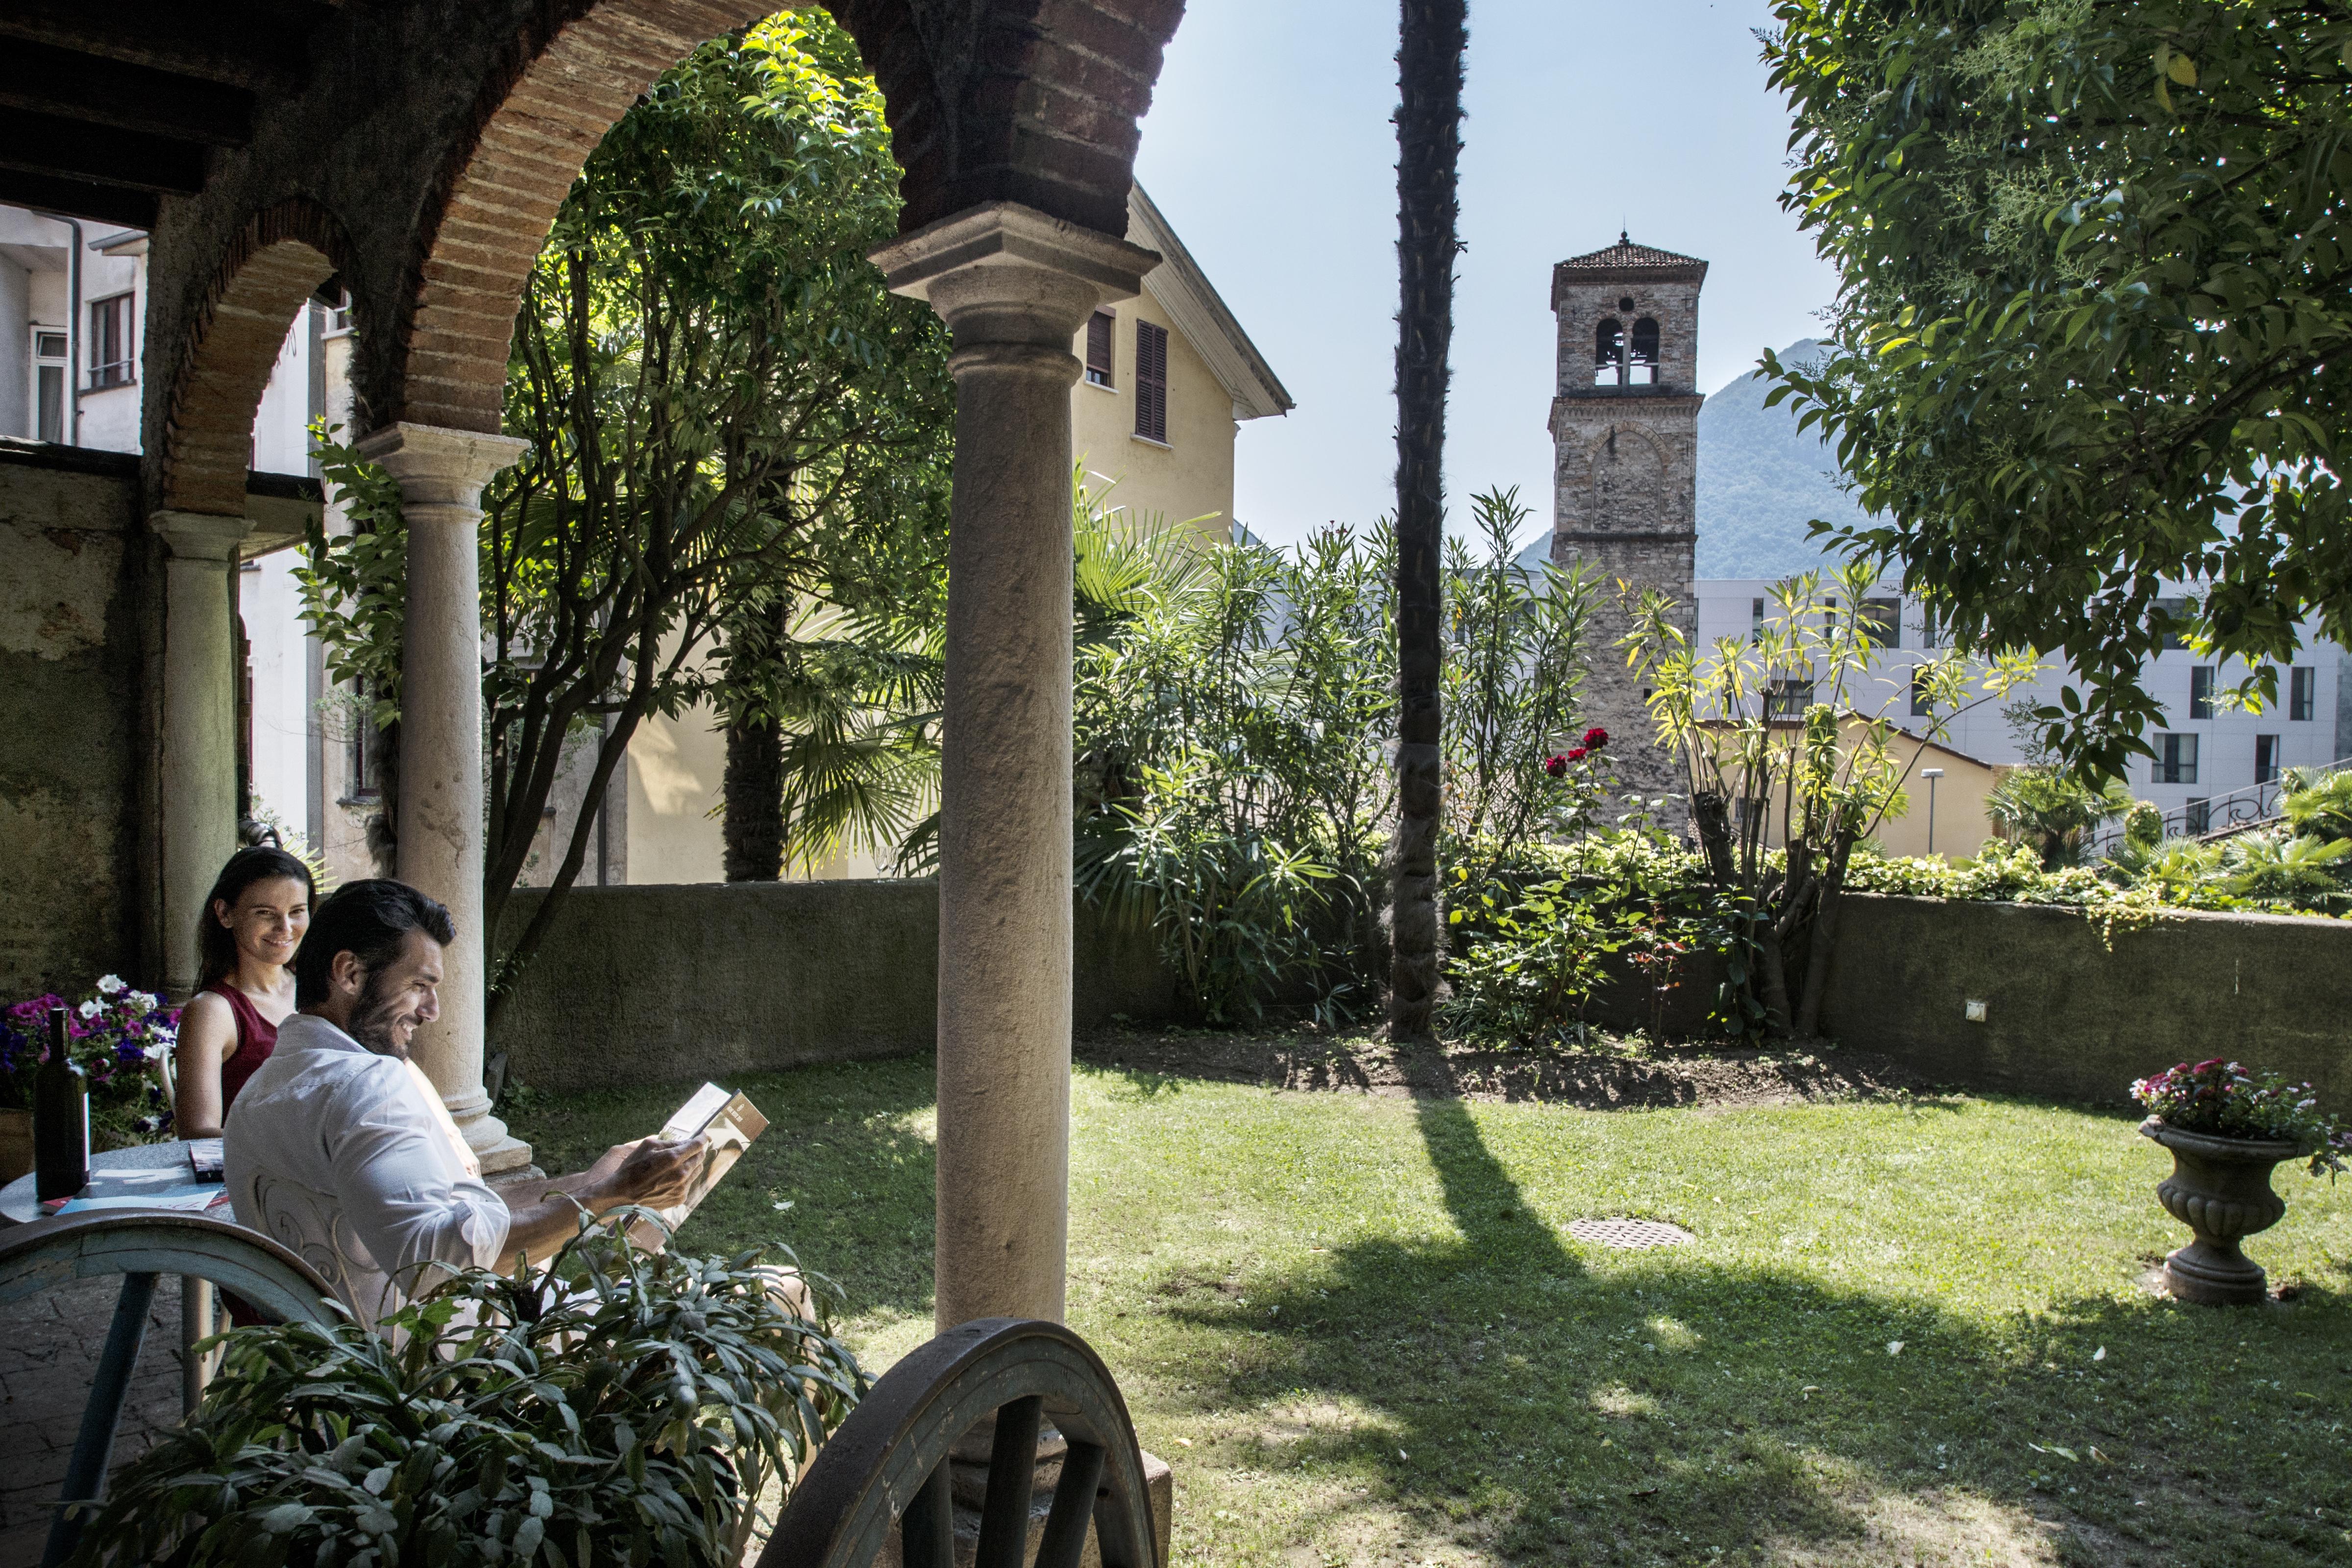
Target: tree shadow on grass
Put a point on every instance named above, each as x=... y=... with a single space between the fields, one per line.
x=841 y=1176
x=1667 y=1407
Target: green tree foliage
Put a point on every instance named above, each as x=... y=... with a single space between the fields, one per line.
x=2093 y=327
x=727 y=414
x=1236 y=707
x=1786 y=744
x=2051 y=810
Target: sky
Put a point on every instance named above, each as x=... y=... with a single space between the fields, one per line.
x=1269 y=148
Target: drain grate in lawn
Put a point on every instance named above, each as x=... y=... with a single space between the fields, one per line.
x=1906 y=1329
x=1629 y=1235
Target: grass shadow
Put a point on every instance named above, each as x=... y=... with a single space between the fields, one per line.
x=1512 y=1391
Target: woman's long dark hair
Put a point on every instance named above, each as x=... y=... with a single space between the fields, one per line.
x=215 y=944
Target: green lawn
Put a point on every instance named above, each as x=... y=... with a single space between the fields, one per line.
x=1907 y=1333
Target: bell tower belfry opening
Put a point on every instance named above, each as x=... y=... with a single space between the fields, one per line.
x=1624 y=428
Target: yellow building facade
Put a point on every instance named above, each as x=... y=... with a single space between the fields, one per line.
x=1169 y=377
x=1945 y=815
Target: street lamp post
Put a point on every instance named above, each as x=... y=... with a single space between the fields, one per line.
x=1931 y=776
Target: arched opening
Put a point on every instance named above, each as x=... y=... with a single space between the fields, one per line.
x=1643 y=371
x=1609 y=351
x=281 y=259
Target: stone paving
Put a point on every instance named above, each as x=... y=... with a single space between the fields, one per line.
x=46 y=1358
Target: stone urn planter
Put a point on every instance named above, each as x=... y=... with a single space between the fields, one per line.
x=15 y=1144
x=2220 y=1189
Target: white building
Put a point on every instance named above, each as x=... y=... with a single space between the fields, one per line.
x=2206 y=751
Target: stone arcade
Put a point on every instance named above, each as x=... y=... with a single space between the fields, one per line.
x=413 y=153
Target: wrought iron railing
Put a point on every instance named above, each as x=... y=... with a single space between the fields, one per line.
x=2220 y=817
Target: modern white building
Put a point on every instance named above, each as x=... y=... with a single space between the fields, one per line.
x=2206 y=752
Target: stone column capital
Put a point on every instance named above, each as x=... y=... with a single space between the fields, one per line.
x=201 y=535
x=440 y=466
x=1005 y=273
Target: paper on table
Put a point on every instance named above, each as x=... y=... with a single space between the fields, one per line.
x=727 y=1123
x=155 y=1187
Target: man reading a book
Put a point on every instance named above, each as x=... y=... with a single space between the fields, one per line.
x=341 y=1150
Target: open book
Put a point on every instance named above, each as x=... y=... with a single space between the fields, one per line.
x=725 y=1122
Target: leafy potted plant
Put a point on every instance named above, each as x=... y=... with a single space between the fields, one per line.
x=118 y=1036
x=2226 y=1128
x=617 y=1406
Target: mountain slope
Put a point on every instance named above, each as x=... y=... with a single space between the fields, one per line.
x=1762 y=482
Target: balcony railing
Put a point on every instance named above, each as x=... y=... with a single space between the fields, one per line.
x=2218 y=818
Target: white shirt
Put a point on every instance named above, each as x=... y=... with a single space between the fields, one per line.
x=345 y=1158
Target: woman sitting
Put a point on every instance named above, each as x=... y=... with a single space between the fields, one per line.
x=259 y=907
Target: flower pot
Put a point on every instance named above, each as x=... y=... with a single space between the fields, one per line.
x=2220 y=1189
x=15 y=1144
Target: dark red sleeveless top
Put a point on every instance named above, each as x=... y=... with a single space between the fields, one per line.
x=256 y=1037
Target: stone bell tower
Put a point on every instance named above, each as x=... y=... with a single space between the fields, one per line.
x=1624 y=428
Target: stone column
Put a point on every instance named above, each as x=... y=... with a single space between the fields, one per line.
x=439 y=805
x=200 y=679
x=1014 y=287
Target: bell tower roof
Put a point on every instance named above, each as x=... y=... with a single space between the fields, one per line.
x=1626 y=262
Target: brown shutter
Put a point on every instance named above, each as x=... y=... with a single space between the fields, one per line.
x=1098 y=348
x=1151 y=381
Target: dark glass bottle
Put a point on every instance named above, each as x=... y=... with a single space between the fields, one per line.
x=60 y=1119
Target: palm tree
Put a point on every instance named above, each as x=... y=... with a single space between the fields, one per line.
x=1432 y=37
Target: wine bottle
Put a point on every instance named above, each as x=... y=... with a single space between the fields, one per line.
x=60 y=1119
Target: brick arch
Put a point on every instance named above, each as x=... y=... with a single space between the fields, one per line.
x=272 y=266
x=1028 y=100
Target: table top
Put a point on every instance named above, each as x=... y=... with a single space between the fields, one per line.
x=20 y=1201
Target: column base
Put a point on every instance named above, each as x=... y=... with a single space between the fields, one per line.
x=504 y=1154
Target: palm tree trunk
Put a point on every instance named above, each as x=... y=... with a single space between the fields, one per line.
x=1432 y=37
x=752 y=787
x=754 y=792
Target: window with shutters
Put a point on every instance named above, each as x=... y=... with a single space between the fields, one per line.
x=109 y=342
x=1099 y=327
x=1151 y=382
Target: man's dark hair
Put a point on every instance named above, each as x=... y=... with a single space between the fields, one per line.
x=370 y=921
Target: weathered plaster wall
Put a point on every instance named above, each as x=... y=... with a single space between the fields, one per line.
x=69 y=722
x=659 y=983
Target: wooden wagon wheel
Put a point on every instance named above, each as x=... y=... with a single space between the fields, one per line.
x=889 y=1460
x=139 y=1246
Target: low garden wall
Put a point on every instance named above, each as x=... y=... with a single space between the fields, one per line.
x=652 y=985
x=2075 y=1014
x=647 y=984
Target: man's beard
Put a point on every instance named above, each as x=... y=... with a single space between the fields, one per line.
x=373 y=1016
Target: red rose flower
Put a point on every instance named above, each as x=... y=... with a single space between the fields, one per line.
x=1555 y=765
x=1575 y=753
x=1595 y=737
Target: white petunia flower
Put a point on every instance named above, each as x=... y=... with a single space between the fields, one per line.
x=109 y=984
x=89 y=1009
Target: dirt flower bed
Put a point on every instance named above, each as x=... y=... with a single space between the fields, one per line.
x=1626 y=1074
